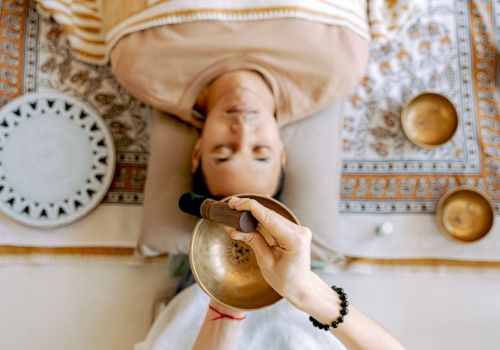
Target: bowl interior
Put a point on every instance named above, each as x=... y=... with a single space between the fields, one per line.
x=429 y=120
x=466 y=215
x=226 y=269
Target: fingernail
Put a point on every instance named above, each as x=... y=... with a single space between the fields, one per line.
x=238 y=237
x=234 y=199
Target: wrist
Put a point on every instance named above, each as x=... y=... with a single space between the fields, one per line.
x=305 y=296
x=217 y=309
x=321 y=302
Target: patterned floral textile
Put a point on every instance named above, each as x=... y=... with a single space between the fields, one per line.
x=34 y=56
x=449 y=49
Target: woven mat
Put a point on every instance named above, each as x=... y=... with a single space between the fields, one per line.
x=449 y=48
x=34 y=57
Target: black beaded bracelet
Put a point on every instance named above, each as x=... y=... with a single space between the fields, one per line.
x=343 y=311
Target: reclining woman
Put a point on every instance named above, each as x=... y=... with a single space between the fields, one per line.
x=238 y=83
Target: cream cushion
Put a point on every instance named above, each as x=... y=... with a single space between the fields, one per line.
x=311 y=188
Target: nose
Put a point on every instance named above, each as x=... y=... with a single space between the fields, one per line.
x=236 y=127
x=243 y=133
x=242 y=125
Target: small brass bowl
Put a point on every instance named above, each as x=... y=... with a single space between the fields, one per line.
x=429 y=120
x=465 y=214
x=227 y=269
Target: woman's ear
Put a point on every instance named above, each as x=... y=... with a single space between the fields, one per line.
x=283 y=158
x=196 y=156
x=201 y=102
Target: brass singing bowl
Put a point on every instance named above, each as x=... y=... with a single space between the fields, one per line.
x=227 y=269
x=465 y=214
x=429 y=120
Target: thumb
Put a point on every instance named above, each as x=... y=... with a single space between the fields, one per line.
x=258 y=244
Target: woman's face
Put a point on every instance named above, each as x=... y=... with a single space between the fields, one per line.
x=240 y=147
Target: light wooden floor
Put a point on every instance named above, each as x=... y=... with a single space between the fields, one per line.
x=107 y=306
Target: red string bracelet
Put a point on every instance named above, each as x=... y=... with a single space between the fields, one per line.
x=223 y=315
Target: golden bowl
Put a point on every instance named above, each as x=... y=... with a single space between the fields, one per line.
x=429 y=120
x=227 y=269
x=465 y=214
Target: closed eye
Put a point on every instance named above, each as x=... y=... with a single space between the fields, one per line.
x=222 y=153
x=262 y=153
x=221 y=160
x=264 y=160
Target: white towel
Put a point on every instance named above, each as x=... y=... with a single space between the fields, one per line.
x=280 y=326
